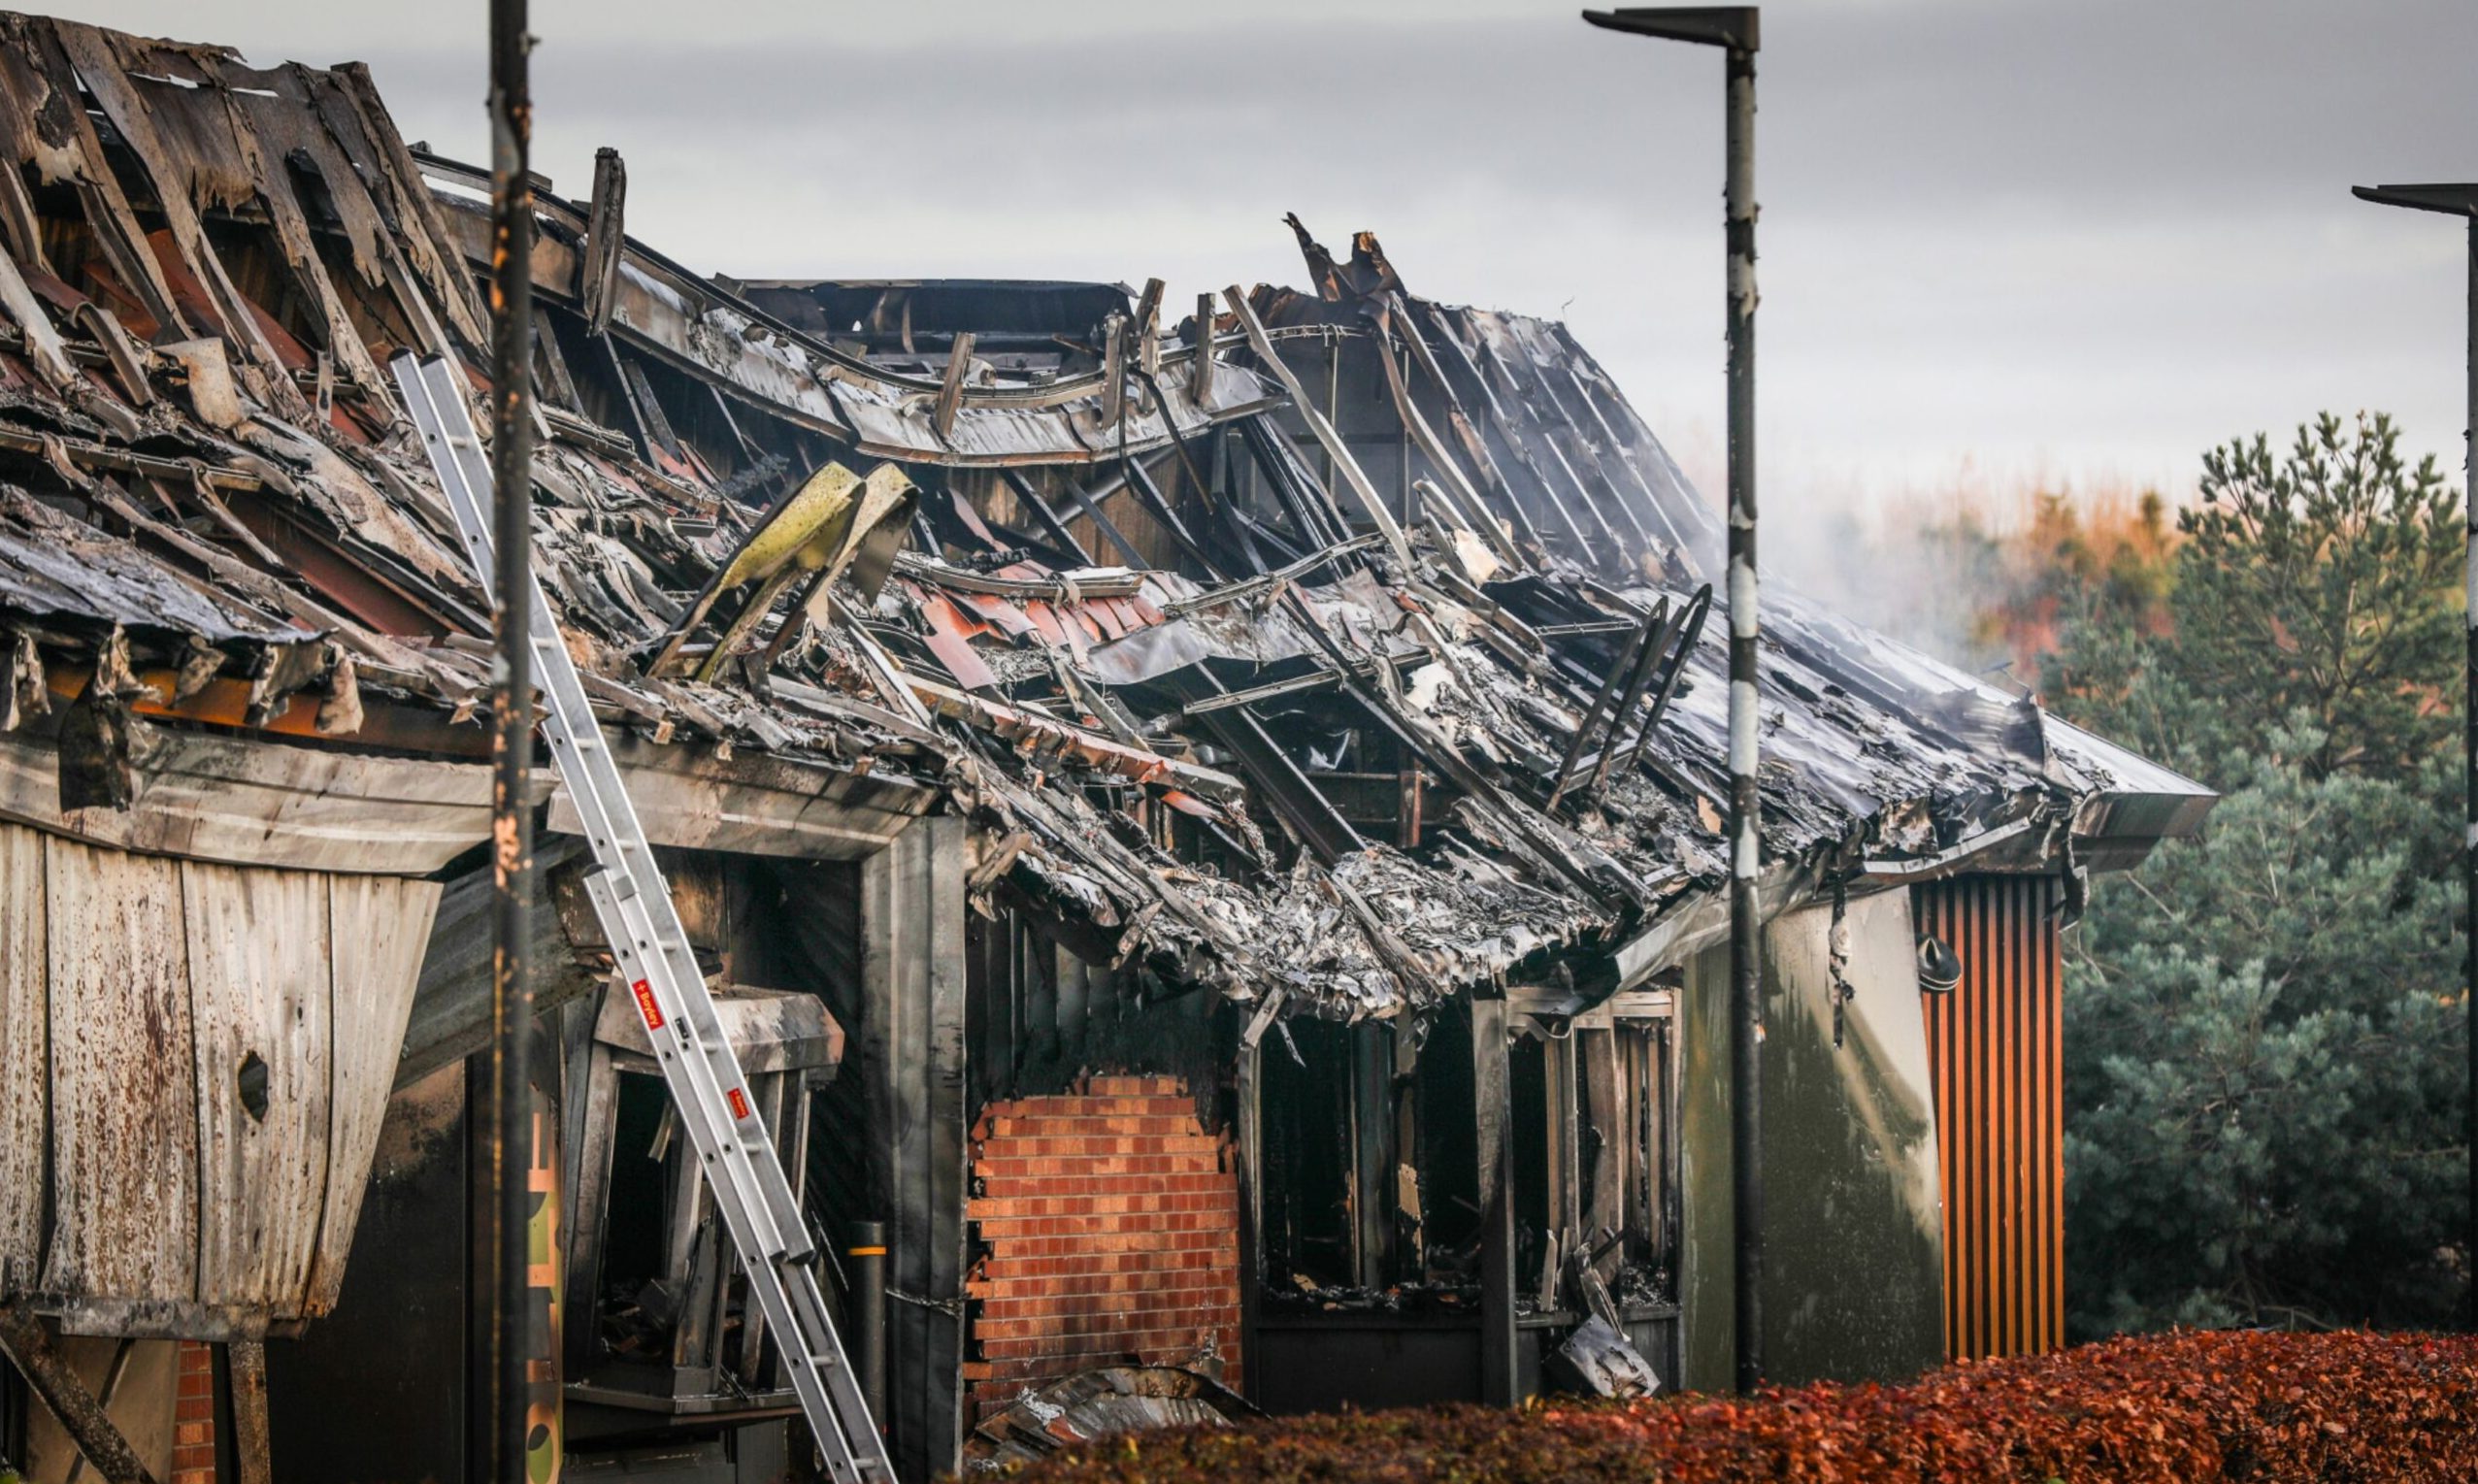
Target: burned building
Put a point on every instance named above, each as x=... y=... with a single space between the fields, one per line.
x=1204 y=820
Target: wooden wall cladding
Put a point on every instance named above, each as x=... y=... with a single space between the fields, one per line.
x=210 y=1048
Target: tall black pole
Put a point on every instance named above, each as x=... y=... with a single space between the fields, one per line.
x=511 y=1342
x=1747 y=926
x=2461 y=200
x=1735 y=29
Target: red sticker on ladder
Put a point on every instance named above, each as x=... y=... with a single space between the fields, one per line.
x=647 y=1007
x=739 y=1102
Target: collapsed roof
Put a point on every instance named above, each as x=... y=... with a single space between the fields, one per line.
x=1334 y=650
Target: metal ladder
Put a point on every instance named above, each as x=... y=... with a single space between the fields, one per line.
x=635 y=906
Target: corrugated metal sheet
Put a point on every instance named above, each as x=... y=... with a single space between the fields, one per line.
x=1995 y=1049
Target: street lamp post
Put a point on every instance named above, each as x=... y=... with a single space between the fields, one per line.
x=1732 y=28
x=2462 y=201
x=510 y=1341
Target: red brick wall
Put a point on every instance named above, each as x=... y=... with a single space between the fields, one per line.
x=1107 y=1224
x=193 y=1416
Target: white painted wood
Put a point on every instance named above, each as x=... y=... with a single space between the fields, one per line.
x=258 y=985
x=25 y=1073
x=381 y=926
x=752 y=805
x=265 y=804
x=124 y=1077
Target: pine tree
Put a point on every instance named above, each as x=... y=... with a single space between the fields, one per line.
x=2325 y=582
x=2265 y=1036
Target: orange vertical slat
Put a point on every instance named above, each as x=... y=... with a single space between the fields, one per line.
x=1982 y=1115
x=2017 y=956
x=2054 y=1119
x=1995 y=1055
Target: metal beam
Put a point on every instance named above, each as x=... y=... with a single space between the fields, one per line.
x=2461 y=200
x=1713 y=25
x=1735 y=28
x=509 y=1346
x=1746 y=828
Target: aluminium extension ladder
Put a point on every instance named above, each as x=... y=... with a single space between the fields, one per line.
x=635 y=906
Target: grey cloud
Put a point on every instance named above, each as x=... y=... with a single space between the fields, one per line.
x=2090 y=234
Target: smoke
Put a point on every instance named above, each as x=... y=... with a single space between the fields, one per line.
x=1978 y=569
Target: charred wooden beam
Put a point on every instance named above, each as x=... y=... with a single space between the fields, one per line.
x=1700 y=605
x=251 y=1444
x=1091 y=505
x=1031 y=499
x=1371 y=1152
x=1149 y=495
x=1113 y=409
x=1501 y=1380
x=606 y=242
x=1096 y=752
x=1313 y=680
x=1629 y=663
x=1466 y=432
x=951 y=388
x=1278 y=779
x=1147 y=329
x=1200 y=364
x=116 y=461
x=1318 y=520
x=52 y=1379
x=1343 y=463
x=1646 y=668
x=1268 y=581
x=1460 y=494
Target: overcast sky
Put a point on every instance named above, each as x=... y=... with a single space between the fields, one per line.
x=2079 y=240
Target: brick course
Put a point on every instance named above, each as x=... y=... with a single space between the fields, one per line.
x=193 y=1439
x=1107 y=1223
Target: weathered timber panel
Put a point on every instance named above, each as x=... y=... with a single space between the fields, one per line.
x=200 y=1056
x=123 y=1077
x=24 y=1058
x=258 y=981
x=378 y=926
x=912 y=1057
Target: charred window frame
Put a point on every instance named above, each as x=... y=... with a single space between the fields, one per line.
x=1594 y=1124
x=1310 y=1234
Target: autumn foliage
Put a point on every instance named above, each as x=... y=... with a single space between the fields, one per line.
x=2179 y=1408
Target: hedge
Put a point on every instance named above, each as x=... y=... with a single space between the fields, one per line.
x=2180 y=1408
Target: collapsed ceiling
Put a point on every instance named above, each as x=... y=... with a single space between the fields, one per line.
x=1335 y=651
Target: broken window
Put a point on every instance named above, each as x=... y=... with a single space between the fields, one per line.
x=1310 y=1237
x=1595 y=1153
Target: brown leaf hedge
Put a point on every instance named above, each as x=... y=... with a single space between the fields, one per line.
x=2181 y=1408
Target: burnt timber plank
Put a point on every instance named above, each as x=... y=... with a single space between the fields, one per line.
x=257 y=947
x=380 y=927
x=912 y=976
x=124 y=1171
x=50 y=1376
x=24 y=1058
